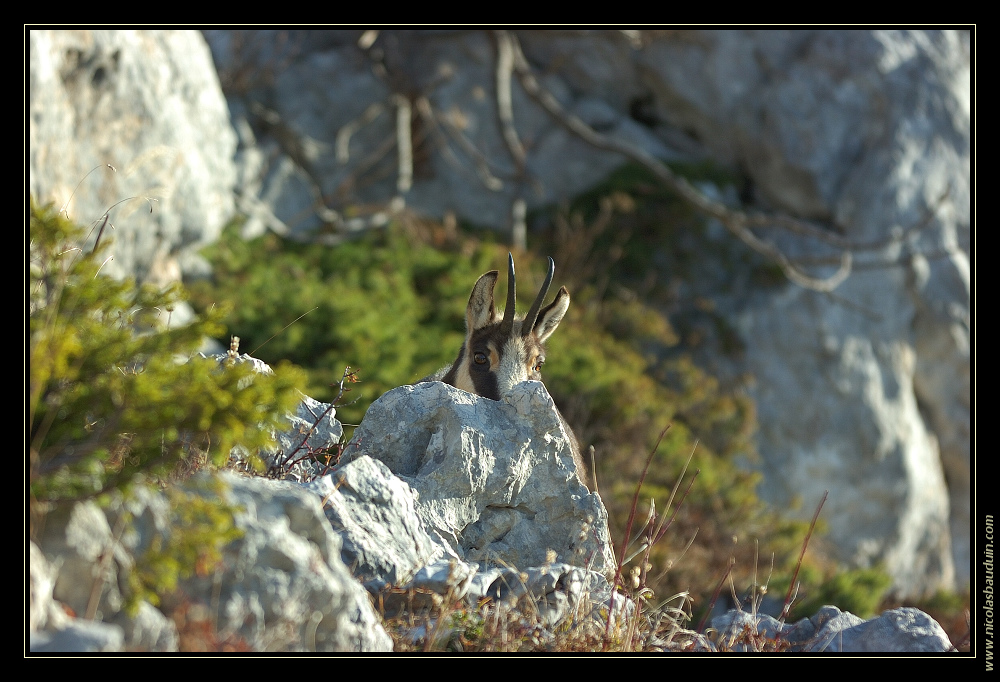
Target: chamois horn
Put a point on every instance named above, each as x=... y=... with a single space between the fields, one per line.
x=508 y=312
x=529 y=319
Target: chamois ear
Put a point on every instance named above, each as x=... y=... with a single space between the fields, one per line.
x=551 y=315
x=481 y=310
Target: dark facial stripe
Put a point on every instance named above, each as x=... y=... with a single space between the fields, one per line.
x=486 y=385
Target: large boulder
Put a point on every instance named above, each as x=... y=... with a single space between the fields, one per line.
x=493 y=481
x=148 y=104
x=442 y=494
x=285 y=581
x=280 y=586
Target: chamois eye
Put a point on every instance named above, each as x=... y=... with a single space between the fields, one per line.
x=479 y=358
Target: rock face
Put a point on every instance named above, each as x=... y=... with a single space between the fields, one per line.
x=149 y=104
x=866 y=393
x=319 y=153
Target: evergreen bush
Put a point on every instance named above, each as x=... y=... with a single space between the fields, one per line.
x=114 y=390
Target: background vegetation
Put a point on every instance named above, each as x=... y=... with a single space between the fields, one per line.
x=391 y=305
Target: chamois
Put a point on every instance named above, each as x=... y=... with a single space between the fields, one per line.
x=501 y=350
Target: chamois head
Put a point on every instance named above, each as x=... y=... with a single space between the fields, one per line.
x=502 y=350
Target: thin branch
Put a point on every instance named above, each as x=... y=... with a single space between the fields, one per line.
x=715 y=595
x=65 y=206
x=505 y=107
x=505 y=116
x=631 y=518
x=445 y=125
x=805 y=543
x=346 y=131
x=287 y=462
x=254 y=351
x=404 y=144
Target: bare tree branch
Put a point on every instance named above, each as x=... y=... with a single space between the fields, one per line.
x=505 y=107
x=404 y=145
x=505 y=116
x=736 y=222
x=486 y=176
x=347 y=131
x=410 y=97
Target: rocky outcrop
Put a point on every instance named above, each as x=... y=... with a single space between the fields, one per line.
x=495 y=480
x=284 y=585
x=148 y=104
x=279 y=587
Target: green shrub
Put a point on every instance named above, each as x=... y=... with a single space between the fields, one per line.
x=392 y=306
x=112 y=392
x=386 y=305
x=859 y=591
